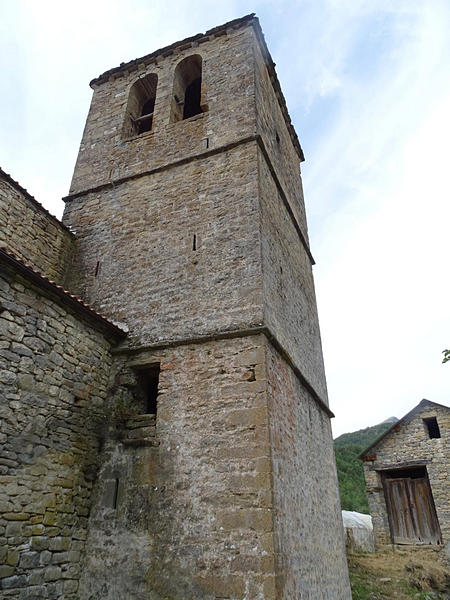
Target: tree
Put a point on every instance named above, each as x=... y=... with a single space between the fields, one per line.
x=446 y=354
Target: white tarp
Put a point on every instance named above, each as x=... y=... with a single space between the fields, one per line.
x=359 y=531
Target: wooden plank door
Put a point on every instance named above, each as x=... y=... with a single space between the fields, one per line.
x=424 y=513
x=400 y=516
x=411 y=511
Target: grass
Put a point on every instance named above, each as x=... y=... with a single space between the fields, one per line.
x=399 y=575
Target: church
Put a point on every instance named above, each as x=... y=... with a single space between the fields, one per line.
x=165 y=426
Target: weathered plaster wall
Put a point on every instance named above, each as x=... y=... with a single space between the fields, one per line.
x=227 y=89
x=309 y=537
x=53 y=375
x=32 y=234
x=194 y=509
x=410 y=443
x=141 y=234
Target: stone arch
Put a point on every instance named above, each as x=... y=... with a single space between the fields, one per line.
x=187 y=89
x=140 y=106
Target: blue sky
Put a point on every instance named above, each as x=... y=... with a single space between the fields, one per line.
x=368 y=88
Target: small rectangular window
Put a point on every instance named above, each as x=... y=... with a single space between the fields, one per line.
x=432 y=427
x=150 y=380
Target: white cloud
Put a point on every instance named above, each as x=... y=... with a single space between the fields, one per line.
x=376 y=193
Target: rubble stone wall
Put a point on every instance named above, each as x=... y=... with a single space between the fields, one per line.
x=410 y=443
x=32 y=234
x=54 y=369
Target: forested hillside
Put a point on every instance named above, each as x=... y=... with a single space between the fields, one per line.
x=347 y=447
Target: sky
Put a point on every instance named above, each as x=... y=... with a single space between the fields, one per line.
x=367 y=85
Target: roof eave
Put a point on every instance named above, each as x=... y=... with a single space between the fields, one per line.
x=73 y=301
x=408 y=415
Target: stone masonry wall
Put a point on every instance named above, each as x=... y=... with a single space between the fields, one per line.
x=227 y=90
x=198 y=242
x=137 y=263
x=54 y=370
x=412 y=443
x=309 y=538
x=32 y=234
x=290 y=309
x=270 y=124
x=194 y=505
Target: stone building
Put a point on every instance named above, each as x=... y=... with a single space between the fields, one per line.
x=179 y=446
x=407 y=472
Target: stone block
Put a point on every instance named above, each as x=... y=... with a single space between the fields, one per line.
x=6 y=571
x=7 y=377
x=45 y=558
x=39 y=543
x=59 y=558
x=70 y=586
x=52 y=573
x=16 y=516
x=12 y=557
x=36 y=577
x=59 y=544
x=29 y=560
x=26 y=382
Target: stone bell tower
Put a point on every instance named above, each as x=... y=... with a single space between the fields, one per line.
x=188 y=208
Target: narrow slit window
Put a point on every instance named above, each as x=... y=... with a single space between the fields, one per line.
x=194 y=242
x=97 y=268
x=141 y=106
x=432 y=427
x=187 y=89
x=116 y=492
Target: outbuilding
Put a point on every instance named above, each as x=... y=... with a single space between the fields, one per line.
x=407 y=472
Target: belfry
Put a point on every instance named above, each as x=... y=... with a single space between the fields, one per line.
x=203 y=454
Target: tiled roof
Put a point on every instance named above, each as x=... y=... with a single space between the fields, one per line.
x=7 y=177
x=75 y=302
x=424 y=403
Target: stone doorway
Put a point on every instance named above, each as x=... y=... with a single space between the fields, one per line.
x=410 y=506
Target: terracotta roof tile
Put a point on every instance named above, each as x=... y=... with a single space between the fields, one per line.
x=15 y=184
x=75 y=301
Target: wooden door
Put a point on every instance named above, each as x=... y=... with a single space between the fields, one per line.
x=411 y=511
